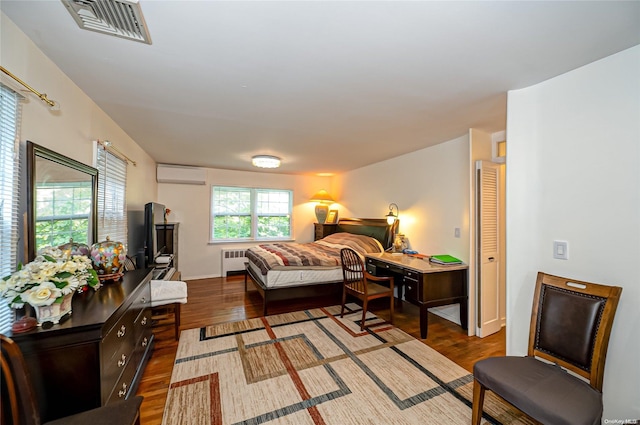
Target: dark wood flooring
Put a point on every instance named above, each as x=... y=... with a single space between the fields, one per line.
x=222 y=300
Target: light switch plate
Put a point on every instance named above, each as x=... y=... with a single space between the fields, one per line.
x=561 y=250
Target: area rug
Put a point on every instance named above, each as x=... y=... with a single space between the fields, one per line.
x=313 y=367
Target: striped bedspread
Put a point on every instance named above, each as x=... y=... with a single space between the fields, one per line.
x=322 y=253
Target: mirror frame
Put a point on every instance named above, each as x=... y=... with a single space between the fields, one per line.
x=36 y=151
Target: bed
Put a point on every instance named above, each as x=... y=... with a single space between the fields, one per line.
x=289 y=270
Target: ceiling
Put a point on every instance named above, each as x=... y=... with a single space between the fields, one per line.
x=326 y=86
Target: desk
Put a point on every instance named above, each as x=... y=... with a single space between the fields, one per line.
x=425 y=284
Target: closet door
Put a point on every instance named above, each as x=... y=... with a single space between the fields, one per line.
x=488 y=240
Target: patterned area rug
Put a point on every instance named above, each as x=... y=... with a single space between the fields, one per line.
x=312 y=367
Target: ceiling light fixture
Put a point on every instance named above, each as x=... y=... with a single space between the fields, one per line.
x=265 y=161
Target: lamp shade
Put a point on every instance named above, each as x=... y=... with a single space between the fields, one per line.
x=322 y=197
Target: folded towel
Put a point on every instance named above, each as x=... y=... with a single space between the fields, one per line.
x=164 y=290
x=157 y=303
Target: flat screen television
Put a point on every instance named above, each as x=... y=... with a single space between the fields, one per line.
x=153 y=214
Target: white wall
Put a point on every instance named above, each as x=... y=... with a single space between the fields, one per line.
x=573 y=173
x=190 y=206
x=431 y=188
x=71 y=130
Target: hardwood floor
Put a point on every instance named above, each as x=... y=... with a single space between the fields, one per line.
x=222 y=300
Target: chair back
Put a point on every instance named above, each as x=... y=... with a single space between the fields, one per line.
x=129 y=264
x=570 y=324
x=353 y=271
x=18 y=398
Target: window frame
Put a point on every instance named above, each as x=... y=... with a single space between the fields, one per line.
x=253 y=214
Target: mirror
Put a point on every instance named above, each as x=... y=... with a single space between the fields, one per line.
x=61 y=200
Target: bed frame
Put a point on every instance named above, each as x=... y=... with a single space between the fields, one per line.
x=373 y=227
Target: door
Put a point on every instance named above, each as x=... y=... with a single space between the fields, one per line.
x=488 y=249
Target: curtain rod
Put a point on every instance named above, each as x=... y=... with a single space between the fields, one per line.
x=42 y=96
x=109 y=146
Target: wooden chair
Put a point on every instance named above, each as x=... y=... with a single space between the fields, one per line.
x=361 y=284
x=166 y=298
x=570 y=326
x=19 y=405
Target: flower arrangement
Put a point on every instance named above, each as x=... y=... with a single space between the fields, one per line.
x=47 y=279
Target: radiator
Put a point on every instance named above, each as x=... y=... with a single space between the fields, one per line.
x=233 y=261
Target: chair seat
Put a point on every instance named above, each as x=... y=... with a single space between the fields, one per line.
x=168 y=292
x=526 y=383
x=375 y=289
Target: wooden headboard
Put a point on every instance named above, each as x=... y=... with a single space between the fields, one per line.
x=377 y=228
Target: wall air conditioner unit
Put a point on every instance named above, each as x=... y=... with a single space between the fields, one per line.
x=180 y=174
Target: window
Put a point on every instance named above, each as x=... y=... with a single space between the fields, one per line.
x=10 y=109
x=63 y=212
x=239 y=213
x=112 y=204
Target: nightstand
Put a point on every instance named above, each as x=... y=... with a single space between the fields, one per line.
x=322 y=230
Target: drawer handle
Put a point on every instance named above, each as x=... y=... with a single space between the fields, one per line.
x=122 y=361
x=145 y=342
x=122 y=331
x=123 y=391
x=144 y=320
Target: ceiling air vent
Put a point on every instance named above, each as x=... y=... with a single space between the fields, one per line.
x=122 y=18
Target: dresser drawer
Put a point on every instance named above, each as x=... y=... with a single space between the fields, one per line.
x=412 y=287
x=142 y=324
x=123 y=386
x=117 y=348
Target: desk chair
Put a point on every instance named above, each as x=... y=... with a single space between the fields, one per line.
x=19 y=407
x=570 y=326
x=361 y=284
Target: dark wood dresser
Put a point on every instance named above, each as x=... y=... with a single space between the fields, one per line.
x=98 y=355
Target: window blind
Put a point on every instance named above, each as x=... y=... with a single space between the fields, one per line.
x=10 y=109
x=112 y=188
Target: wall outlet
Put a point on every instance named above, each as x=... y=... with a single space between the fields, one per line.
x=561 y=250
x=456 y=232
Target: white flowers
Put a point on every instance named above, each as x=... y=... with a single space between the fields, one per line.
x=48 y=278
x=44 y=294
